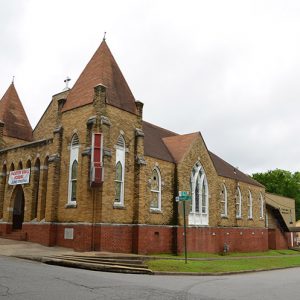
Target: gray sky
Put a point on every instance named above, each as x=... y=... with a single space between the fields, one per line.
x=229 y=69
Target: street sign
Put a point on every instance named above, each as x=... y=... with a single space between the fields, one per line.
x=184 y=196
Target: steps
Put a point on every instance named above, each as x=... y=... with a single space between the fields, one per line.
x=119 y=264
x=17 y=235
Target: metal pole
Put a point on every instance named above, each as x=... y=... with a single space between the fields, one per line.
x=184 y=232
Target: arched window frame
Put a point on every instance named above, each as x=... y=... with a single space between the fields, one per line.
x=199 y=213
x=157 y=191
x=120 y=158
x=250 y=205
x=238 y=203
x=224 y=201
x=74 y=153
x=262 y=206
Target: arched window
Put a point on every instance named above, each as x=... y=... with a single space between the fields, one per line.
x=238 y=203
x=74 y=180
x=73 y=170
x=120 y=170
x=262 y=206
x=199 y=208
x=223 y=201
x=155 y=203
x=250 y=206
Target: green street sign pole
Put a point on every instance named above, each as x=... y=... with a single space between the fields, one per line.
x=184 y=232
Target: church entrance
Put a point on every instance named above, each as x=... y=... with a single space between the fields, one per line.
x=18 y=212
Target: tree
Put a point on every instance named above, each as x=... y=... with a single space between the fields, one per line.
x=282 y=183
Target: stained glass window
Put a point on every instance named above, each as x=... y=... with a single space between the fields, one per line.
x=118 y=182
x=74 y=180
x=155 y=202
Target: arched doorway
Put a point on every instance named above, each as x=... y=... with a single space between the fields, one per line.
x=18 y=212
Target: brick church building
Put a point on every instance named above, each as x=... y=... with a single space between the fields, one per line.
x=93 y=175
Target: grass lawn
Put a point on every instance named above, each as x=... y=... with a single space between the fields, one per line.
x=231 y=254
x=219 y=266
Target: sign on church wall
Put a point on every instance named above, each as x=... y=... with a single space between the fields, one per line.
x=19 y=177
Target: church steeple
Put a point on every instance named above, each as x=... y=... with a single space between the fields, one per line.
x=101 y=69
x=13 y=115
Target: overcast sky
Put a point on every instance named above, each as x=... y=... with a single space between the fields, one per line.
x=230 y=69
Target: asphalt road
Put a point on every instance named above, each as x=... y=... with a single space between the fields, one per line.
x=27 y=280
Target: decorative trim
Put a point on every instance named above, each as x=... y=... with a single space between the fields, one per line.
x=118 y=206
x=86 y=151
x=58 y=130
x=53 y=158
x=71 y=205
x=107 y=152
x=105 y=120
x=91 y=121
x=139 y=132
x=140 y=160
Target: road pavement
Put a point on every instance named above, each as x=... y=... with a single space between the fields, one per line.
x=30 y=280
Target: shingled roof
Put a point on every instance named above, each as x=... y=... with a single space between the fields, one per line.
x=179 y=145
x=12 y=113
x=153 y=142
x=170 y=146
x=224 y=169
x=101 y=69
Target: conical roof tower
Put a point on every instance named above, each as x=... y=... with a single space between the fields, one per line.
x=13 y=115
x=101 y=69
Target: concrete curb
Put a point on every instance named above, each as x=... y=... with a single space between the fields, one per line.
x=87 y=266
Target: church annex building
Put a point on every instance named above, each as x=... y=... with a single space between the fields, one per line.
x=93 y=175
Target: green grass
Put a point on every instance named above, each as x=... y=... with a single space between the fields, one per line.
x=220 y=266
x=231 y=254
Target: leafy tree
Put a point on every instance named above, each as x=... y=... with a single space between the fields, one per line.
x=282 y=183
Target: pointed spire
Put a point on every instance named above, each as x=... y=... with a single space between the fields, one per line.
x=101 y=69
x=13 y=115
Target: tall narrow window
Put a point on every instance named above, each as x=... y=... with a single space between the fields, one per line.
x=73 y=170
x=262 y=205
x=223 y=201
x=199 y=188
x=238 y=203
x=74 y=180
x=250 y=207
x=155 y=203
x=120 y=170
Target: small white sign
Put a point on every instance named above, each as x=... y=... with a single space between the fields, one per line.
x=19 y=177
x=69 y=234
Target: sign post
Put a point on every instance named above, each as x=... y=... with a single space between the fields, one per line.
x=184 y=196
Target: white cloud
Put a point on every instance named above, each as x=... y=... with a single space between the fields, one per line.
x=227 y=68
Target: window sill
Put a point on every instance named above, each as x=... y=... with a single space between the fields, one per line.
x=71 y=205
x=238 y=218
x=251 y=219
x=224 y=217
x=118 y=206
x=155 y=211
x=261 y=219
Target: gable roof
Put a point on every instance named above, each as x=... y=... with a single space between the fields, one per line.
x=12 y=113
x=153 y=142
x=178 y=145
x=224 y=169
x=170 y=146
x=101 y=69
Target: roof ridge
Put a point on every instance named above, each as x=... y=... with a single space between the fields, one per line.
x=153 y=125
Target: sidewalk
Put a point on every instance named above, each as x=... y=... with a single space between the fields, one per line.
x=98 y=261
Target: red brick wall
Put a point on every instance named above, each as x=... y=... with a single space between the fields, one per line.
x=278 y=239
x=201 y=239
x=147 y=239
